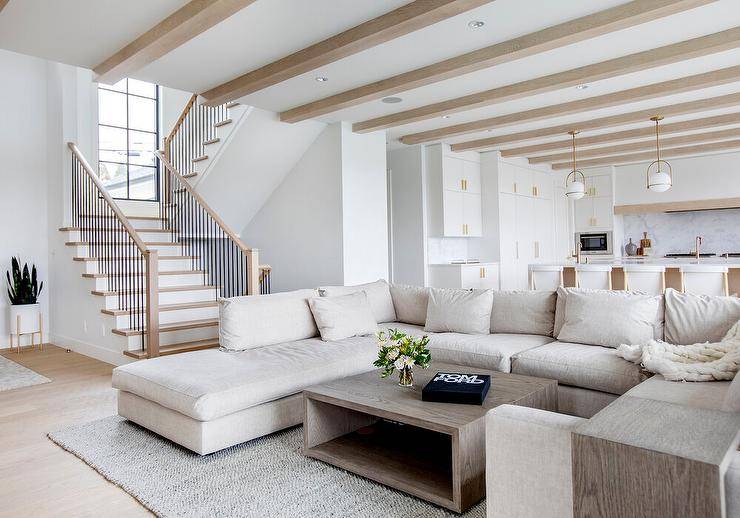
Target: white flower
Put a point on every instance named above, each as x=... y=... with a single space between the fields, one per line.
x=399 y=364
x=408 y=361
x=393 y=354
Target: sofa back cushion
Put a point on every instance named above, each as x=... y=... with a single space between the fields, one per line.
x=459 y=311
x=343 y=316
x=523 y=312
x=378 y=296
x=410 y=303
x=692 y=319
x=257 y=320
x=611 y=318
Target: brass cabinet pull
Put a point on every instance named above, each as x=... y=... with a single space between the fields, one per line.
x=514 y=186
x=462 y=184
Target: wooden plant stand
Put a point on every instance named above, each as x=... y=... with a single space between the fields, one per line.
x=33 y=334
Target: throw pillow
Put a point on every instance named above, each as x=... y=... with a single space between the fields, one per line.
x=410 y=303
x=343 y=316
x=253 y=321
x=378 y=296
x=459 y=311
x=691 y=318
x=611 y=318
x=523 y=312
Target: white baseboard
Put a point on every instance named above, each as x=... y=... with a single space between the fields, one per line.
x=91 y=350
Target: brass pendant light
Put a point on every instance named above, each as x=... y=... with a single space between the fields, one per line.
x=575 y=182
x=658 y=180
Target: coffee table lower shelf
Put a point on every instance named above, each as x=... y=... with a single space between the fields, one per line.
x=411 y=459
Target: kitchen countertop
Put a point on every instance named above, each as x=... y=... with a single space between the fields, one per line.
x=668 y=262
x=481 y=263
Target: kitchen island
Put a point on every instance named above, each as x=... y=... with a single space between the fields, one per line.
x=672 y=266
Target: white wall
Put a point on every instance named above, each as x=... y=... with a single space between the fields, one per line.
x=261 y=152
x=171 y=104
x=364 y=206
x=407 y=214
x=696 y=178
x=301 y=229
x=23 y=203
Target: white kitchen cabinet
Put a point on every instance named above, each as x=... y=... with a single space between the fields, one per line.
x=472 y=217
x=507 y=180
x=453 y=194
x=594 y=213
x=465 y=276
x=471 y=176
x=543 y=231
x=542 y=186
x=507 y=240
x=524 y=182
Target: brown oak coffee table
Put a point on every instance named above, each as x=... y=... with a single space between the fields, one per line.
x=435 y=451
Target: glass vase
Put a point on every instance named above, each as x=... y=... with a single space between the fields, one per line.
x=406 y=377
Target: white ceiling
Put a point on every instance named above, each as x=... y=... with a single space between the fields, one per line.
x=84 y=32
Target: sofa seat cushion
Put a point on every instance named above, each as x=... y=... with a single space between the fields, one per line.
x=587 y=366
x=209 y=384
x=409 y=329
x=492 y=351
x=701 y=394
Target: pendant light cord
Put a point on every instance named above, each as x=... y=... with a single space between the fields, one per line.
x=657 y=142
x=574 y=154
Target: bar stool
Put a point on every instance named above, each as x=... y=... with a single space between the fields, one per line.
x=594 y=276
x=704 y=279
x=647 y=278
x=545 y=277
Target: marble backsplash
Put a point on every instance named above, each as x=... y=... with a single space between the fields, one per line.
x=676 y=232
x=441 y=250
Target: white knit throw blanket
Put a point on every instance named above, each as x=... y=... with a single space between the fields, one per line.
x=697 y=362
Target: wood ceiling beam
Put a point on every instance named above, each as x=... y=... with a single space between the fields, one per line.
x=573 y=31
x=712 y=103
x=645 y=60
x=650 y=155
x=178 y=28
x=641 y=93
x=675 y=127
x=710 y=136
x=394 y=24
x=3 y=3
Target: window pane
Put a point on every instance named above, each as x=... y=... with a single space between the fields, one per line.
x=141 y=148
x=143 y=181
x=141 y=88
x=142 y=114
x=112 y=108
x=120 y=86
x=113 y=177
x=112 y=144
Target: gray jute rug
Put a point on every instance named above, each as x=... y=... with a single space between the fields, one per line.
x=14 y=375
x=267 y=477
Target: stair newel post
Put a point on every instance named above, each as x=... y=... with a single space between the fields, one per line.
x=253 y=271
x=152 y=303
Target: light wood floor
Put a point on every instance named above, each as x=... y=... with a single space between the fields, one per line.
x=37 y=477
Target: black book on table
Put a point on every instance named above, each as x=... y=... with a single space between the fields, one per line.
x=457 y=387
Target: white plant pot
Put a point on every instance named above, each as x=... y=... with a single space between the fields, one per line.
x=29 y=314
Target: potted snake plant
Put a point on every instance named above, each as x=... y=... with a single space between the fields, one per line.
x=23 y=291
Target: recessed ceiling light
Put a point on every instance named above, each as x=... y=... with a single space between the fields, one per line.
x=476 y=24
x=582 y=87
x=446 y=116
x=322 y=79
x=391 y=100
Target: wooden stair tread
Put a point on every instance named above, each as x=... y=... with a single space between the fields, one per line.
x=174 y=326
x=177 y=348
x=231 y=104
x=223 y=123
x=166 y=307
x=167 y=272
x=211 y=141
x=157 y=230
x=153 y=243
x=165 y=289
x=161 y=258
x=190 y=175
x=200 y=158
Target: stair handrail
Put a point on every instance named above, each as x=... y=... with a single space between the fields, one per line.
x=107 y=197
x=178 y=124
x=251 y=253
x=151 y=258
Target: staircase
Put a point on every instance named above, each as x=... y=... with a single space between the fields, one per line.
x=158 y=277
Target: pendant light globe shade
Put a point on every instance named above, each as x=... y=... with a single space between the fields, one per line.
x=575 y=190
x=659 y=181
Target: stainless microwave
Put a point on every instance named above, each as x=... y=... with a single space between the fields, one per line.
x=595 y=243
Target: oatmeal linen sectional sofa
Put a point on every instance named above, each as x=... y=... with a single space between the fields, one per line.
x=271 y=350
